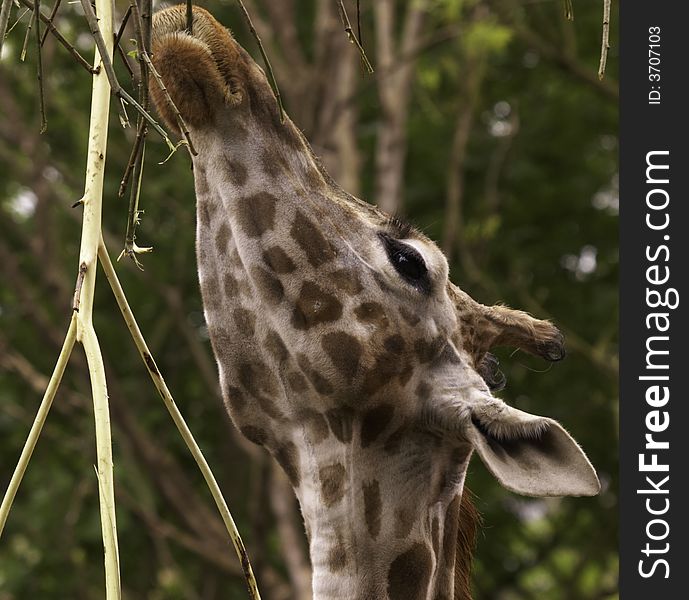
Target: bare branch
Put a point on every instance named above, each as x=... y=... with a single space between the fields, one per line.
x=190 y=17
x=352 y=38
x=39 y=69
x=123 y=24
x=4 y=20
x=78 y=57
x=569 y=10
x=53 y=12
x=22 y=54
x=266 y=61
x=117 y=89
x=605 y=43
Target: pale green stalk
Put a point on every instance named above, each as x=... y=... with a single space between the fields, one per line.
x=86 y=334
x=38 y=423
x=177 y=417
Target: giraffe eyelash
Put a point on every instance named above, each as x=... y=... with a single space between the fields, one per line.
x=400 y=227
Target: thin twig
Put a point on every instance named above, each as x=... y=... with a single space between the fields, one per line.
x=605 y=43
x=178 y=419
x=53 y=12
x=115 y=86
x=39 y=70
x=140 y=134
x=22 y=55
x=147 y=23
x=130 y=247
x=123 y=24
x=125 y=60
x=136 y=159
x=269 y=68
x=4 y=20
x=71 y=49
x=38 y=423
x=569 y=10
x=352 y=38
x=17 y=21
x=190 y=17
x=118 y=37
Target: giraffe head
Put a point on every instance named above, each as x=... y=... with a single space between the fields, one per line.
x=342 y=345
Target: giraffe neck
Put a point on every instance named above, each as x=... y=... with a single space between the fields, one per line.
x=381 y=517
x=380 y=500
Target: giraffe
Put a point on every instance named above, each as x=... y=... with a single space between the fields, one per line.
x=342 y=347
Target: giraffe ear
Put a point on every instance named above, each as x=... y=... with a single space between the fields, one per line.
x=531 y=455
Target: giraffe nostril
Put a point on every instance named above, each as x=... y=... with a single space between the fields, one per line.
x=554 y=350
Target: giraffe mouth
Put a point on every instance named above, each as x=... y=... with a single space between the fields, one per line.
x=205 y=29
x=204 y=71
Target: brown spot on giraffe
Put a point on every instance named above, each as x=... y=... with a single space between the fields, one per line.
x=386 y=367
x=204 y=215
x=256 y=214
x=268 y=285
x=320 y=383
x=404 y=521
x=423 y=390
x=410 y=574
x=237 y=173
x=273 y=162
x=201 y=183
x=287 y=457
x=236 y=398
x=340 y=421
x=332 y=478
x=406 y=373
x=346 y=281
x=373 y=313
x=426 y=350
x=315 y=306
x=297 y=382
x=245 y=321
x=395 y=344
x=374 y=422
x=318 y=250
x=393 y=443
x=222 y=236
x=258 y=380
x=254 y=434
x=276 y=347
x=211 y=294
x=230 y=285
x=278 y=261
x=344 y=351
x=372 y=507
x=337 y=555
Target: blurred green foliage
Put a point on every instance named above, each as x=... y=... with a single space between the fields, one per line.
x=539 y=233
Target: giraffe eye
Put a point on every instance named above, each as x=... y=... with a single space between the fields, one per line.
x=407 y=262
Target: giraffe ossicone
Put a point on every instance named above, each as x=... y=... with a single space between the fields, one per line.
x=341 y=345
